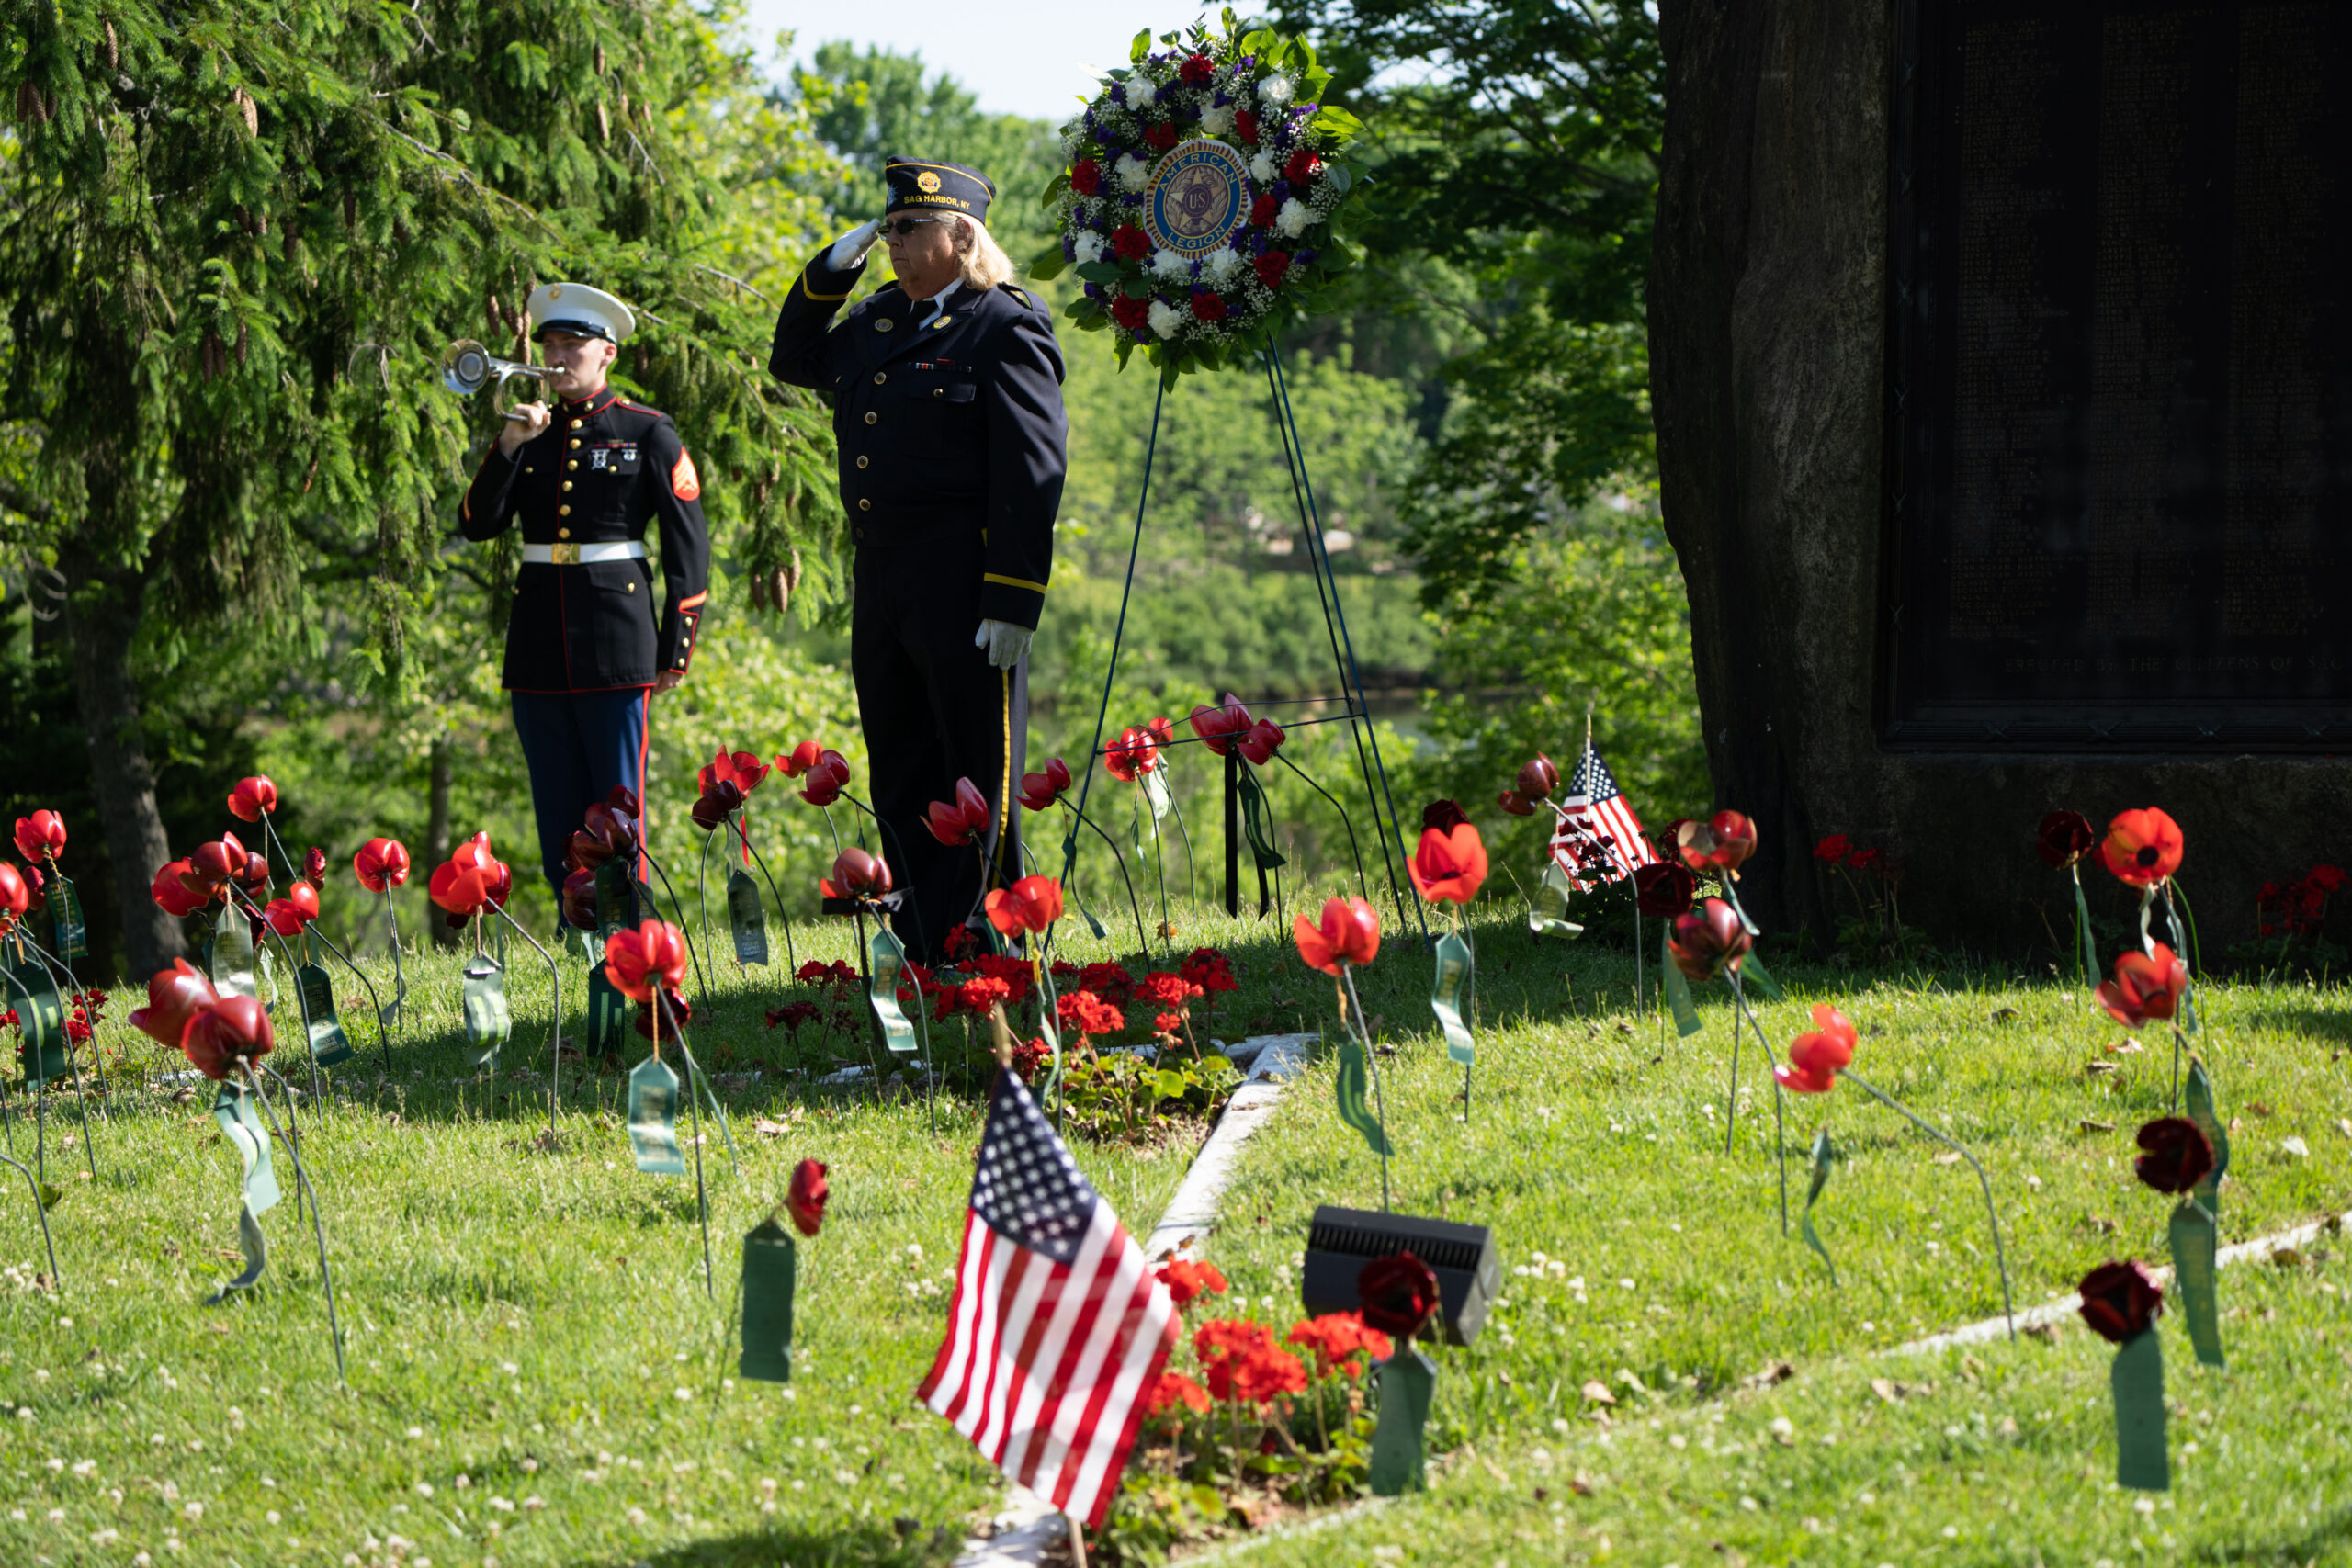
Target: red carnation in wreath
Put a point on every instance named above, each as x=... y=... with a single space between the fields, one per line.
x=1271 y=267
x=1196 y=71
x=1130 y=313
x=1263 y=212
x=1208 y=307
x=1303 y=167
x=1131 y=242
x=1160 y=137
x=1086 y=176
x=1246 y=124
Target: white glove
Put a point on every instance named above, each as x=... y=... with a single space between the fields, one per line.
x=1007 y=644
x=850 y=250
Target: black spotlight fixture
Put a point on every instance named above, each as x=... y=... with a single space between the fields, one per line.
x=1341 y=1241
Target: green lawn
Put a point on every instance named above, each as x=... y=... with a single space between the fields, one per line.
x=537 y=1377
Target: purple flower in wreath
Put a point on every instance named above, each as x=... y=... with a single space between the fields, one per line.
x=1257 y=244
x=1301 y=258
x=1196 y=274
x=1221 y=98
x=1069 y=247
x=1119 y=94
x=1279 y=190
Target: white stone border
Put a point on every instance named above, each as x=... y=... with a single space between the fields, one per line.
x=1027 y=1527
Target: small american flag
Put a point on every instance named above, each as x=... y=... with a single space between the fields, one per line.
x=1059 y=1328
x=1597 y=809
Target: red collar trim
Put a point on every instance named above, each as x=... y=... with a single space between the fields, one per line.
x=603 y=399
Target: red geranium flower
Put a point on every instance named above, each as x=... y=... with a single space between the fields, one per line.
x=1131 y=242
x=2121 y=1299
x=1349 y=935
x=1303 y=167
x=1265 y=739
x=1263 y=211
x=1336 y=1337
x=1246 y=123
x=1130 y=313
x=252 y=797
x=1196 y=71
x=1159 y=988
x=1086 y=176
x=1160 y=137
x=2142 y=848
x=1264 y=1375
x=289 y=915
x=1172 y=1389
x=1039 y=791
x=1209 y=969
x=959 y=823
x=231 y=1031
x=41 y=834
x=1271 y=267
x=1662 y=889
x=174 y=997
x=1219 y=728
x=1133 y=754
x=1832 y=850
x=1032 y=904
x=805 y=1200
x=1187 y=1280
x=172 y=892
x=1707 y=943
x=1083 y=1013
x=856 y=875
x=1815 y=1058
x=2145 y=986
x=1449 y=867
x=636 y=961
x=2066 y=837
x=800 y=760
x=826 y=779
x=1399 y=1294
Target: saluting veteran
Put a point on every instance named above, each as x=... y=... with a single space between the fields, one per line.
x=947 y=411
x=585 y=648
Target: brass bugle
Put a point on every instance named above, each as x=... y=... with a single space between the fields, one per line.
x=466 y=366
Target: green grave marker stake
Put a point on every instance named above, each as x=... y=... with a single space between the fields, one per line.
x=2138 y=1380
x=771 y=1271
x=1407 y=1379
x=232 y=1108
x=609 y=1012
x=488 y=1020
x=1450 y=993
x=653 y=1119
x=1351 y=1087
x=2195 y=1228
x=230 y=956
x=330 y=1046
x=1823 y=1154
x=41 y=1035
x=615 y=889
x=886 y=961
x=72 y=934
x=1752 y=968
x=747 y=917
x=1677 y=989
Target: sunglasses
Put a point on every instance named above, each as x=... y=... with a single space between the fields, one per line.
x=902 y=227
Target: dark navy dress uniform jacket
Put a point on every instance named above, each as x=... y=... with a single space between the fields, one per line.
x=949 y=432
x=601 y=470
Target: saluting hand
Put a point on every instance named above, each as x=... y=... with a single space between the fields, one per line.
x=524 y=421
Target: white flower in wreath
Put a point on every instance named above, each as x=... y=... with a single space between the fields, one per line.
x=1165 y=319
x=1264 y=170
x=1217 y=121
x=1088 y=247
x=1276 y=89
x=1168 y=264
x=1133 y=173
x=1295 y=217
x=1219 y=268
x=1140 y=92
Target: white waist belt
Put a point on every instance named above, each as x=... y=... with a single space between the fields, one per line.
x=582 y=555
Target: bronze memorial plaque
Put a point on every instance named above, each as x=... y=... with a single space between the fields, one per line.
x=2119 y=398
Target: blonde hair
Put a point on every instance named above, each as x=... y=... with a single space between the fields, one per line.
x=980 y=261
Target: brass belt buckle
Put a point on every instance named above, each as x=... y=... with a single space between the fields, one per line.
x=564 y=554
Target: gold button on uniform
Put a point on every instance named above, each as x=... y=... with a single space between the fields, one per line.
x=572 y=463
x=873 y=418
x=864 y=504
x=575 y=444
x=567 y=484
x=563 y=512
x=563 y=532
x=632 y=588
x=879 y=378
x=939 y=391
x=577 y=424
x=861 y=462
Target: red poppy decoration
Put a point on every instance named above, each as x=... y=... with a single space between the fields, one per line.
x=462 y=884
x=253 y=877
x=1031 y=904
x=1349 y=934
x=1219 y=728
x=314 y=866
x=288 y=915
x=172 y=892
x=1399 y=1294
x=214 y=866
x=381 y=864
x=1132 y=755
x=800 y=760
x=1265 y=739
x=2064 y=839
x=1518 y=805
x=174 y=997
x=719 y=800
x=580 y=899
x=231 y=1032
x=1538 y=777
x=1722 y=844
x=805 y=1201
x=636 y=961
x=14 y=896
x=1663 y=890
x=1708 y=942
x=1815 y=1058
x=826 y=779
x=2175 y=1155
x=253 y=798
x=856 y=875
x=2145 y=986
x=742 y=769
x=1449 y=867
x=2121 y=1299
x=40 y=836
x=2142 y=848
x=623 y=799
x=1039 y=791
x=959 y=822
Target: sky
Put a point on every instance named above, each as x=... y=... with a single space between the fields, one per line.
x=1026 y=59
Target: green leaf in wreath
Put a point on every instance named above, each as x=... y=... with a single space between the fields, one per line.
x=1136 y=288
x=1140 y=47
x=1047 y=264
x=1341 y=176
x=1101 y=271
x=1054 y=188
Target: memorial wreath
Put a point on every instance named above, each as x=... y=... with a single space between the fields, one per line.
x=1201 y=199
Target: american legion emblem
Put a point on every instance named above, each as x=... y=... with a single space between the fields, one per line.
x=927 y=183
x=1198 y=199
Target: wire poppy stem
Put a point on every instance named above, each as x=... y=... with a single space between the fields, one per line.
x=1779 y=1136
x=554 y=1017
x=782 y=913
x=41 y=1209
x=1143 y=943
x=1983 y=1182
x=318 y=1222
x=1353 y=1019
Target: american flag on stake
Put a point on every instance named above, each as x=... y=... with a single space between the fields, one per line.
x=1059 y=1327
x=1595 y=808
